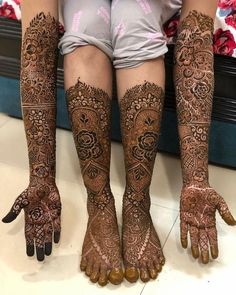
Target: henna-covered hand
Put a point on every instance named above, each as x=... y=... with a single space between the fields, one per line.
x=42 y=208
x=198 y=208
x=194 y=82
x=40 y=201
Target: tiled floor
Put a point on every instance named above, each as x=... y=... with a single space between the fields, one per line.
x=60 y=273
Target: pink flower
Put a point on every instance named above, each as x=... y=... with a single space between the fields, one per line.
x=7 y=10
x=171 y=26
x=17 y=2
x=231 y=19
x=224 y=42
x=227 y=4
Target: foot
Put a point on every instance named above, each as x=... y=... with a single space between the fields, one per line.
x=142 y=251
x=101 y=253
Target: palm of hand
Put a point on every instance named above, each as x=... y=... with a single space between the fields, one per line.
x=197 y=215
x=42 y=207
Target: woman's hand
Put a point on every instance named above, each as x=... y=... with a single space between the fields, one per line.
x=42 y=207
x=197 y=215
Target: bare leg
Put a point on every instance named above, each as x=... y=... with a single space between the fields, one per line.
x=89 y=105
x=40 y=201
x=194 y=81
x=141 y=101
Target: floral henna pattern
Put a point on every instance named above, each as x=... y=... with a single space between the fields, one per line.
x=41 y=200
x=194 y=82
x=90 y=109
x=140 y=110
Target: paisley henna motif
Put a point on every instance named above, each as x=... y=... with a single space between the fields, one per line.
x=90 y=110
x=194 y=81
x=41 y=200
x=140 y=110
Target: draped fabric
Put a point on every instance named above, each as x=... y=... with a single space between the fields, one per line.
x=225 y=24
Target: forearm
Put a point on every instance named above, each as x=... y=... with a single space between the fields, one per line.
x=38 y=88
x=194 y=80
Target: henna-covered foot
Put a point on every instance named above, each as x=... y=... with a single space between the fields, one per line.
x=141 y=246
x=90 y=110
x=101 y=256
x=140 y=109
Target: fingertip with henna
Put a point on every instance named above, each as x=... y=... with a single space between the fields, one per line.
x=9 y=217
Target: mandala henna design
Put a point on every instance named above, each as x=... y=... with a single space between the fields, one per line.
x=90 y=109
x=194 y=82
x=41 y=200
x=140 y=110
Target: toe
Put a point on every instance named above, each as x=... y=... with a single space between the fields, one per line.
x=152 y=271
x=83 y=264
x=144 y=274
x=158 y=265
x=89 y=268
x=103 y=279
x=95 y=273
x=131 y=274
x=116 y=276
x=162 y=260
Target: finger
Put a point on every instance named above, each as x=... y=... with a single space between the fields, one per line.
x=39 y=242
x=57 y=236
x=20 y=203
x=203 y=243
x=57 y=229
x=194 y=241
x=48 y=238
x=225 y=212
x=212 y=237
x=184 y=234
x=29 y=236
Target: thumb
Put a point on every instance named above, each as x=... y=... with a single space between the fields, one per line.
x=225 y=213
x=20 y=203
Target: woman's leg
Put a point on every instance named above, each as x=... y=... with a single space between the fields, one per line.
x=40 y=201
x=138 y=50
x=88 y=84
x=141 y=96
x=194 y=82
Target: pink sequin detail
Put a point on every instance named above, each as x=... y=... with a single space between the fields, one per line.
x=76 y=21
x=120 y=29
x=145 y=6
x=104 y=14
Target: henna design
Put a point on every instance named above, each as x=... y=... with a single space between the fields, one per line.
x=41 y=200
x=140 y=110
x=194 y=82
x=90 y=109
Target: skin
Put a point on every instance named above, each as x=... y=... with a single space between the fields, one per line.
x=40 y=200
x=194 y=82
x=89 y=106
x=141 y=103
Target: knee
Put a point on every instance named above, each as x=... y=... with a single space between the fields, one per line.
x=88 y=56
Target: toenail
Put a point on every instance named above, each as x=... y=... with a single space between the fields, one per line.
x=116 y=276
x=144 y=276
x=153 y=273
x=131 y=274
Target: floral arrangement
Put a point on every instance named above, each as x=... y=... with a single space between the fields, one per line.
x=225 y=24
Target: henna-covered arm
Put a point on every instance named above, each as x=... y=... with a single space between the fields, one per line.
x=41 y=200
x=194 y=82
